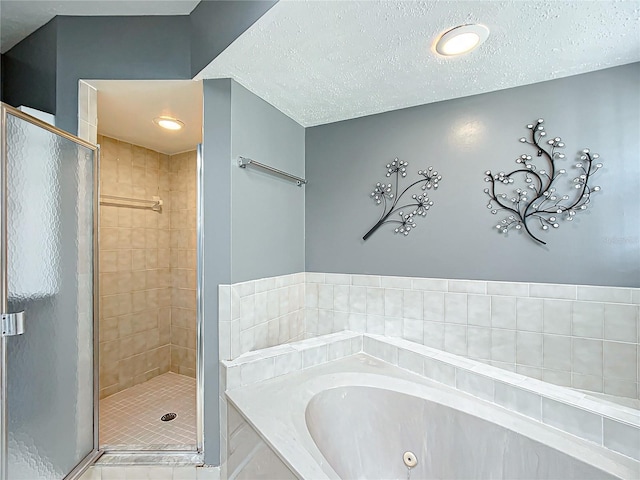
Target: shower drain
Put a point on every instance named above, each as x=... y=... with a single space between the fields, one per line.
x=167 y=417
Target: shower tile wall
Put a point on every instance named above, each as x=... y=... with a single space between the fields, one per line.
x=147 y=266
x=135 y=283
x=183 y=262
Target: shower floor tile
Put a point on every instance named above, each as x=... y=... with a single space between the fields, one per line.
x=130 y=419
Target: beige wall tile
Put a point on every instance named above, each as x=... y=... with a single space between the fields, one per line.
x=108 y=283
x=139 y=343
x=138 y=156
x=138 y=259
x=151 y=299
x=124 y=238
x=151 y=218
x=124 y=190
x=105 y=392
x=163 y=162
x=165 y=297
x=108 y=260
x=125 y=325
x=125 y=217
x=125 y=151
x=138 y=237
x=109 y=179
x=108 y=216
x=147 y=268
x=164 y=354
x=164 y=239
x=152 y=338
x=137 y=216
x=109 y=306
x=164 y=258
x=153 y=159
x=151 y=238
x=109 y=238
x=151 y=258
x=188 y=371
x=124 y=283
x=140 y=321
x=124 y=170
x=109 y=352
x=108 y=376
x=124 y=261
x=108 y=329
x=164 y=327
x=152 y=278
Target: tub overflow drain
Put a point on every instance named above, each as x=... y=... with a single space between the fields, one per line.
x=409 y=459
x=167 y=417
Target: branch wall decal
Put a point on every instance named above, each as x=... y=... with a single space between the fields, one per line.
x=383 y=194
x=539 y=198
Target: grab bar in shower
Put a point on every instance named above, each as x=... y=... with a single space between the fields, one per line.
x=154 y=204
x=244 y=162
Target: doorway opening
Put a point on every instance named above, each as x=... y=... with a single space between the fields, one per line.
x=148 y=262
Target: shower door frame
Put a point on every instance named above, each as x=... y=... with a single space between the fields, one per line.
x=131 y=455
x=95 y=452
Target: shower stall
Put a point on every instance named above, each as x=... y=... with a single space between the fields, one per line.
x=48 y=225
x=147 y=321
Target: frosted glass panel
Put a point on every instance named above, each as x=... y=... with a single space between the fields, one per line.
x=49 y=254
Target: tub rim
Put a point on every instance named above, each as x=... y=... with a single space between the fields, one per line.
x=286 y=432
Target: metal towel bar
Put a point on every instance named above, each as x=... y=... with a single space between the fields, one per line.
x=112 y=200
x=244 y=162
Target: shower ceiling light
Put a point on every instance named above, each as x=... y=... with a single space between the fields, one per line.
x=168 y=123
x=461 y=39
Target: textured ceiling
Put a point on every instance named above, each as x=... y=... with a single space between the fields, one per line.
x=20 y=18
x=325 y=61
x=126 y=109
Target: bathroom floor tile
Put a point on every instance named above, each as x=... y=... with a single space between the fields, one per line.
x=132 y=417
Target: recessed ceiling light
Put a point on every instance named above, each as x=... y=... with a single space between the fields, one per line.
x=168 y=123
x=461 y=39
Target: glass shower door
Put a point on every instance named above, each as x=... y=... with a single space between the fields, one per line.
x=47 y=272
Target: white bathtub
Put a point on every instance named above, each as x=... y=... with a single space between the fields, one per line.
x=355 y=417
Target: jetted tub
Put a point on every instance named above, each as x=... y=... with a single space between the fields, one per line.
x=354 y=418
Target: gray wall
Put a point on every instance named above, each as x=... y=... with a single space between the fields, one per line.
x=29 y=70
x=117 y=48
x=215 y=24
x=216 y=216
x=462 y=138
x=43 y=70
x=244 y=212
x=268 y=212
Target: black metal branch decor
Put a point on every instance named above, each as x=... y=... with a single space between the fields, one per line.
x=537 y=198
x=383 y=194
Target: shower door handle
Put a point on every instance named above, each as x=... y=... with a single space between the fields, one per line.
x=12 y=324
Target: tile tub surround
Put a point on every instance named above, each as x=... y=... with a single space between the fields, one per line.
x=260 y=313
x=584 y=337
x=612 y=426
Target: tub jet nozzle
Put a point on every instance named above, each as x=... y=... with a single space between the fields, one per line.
x=409 y=459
